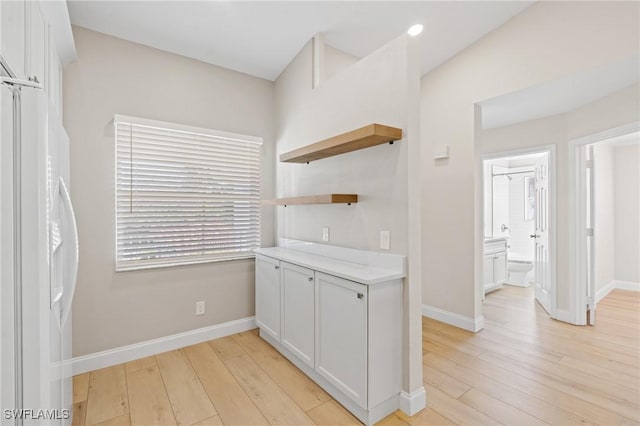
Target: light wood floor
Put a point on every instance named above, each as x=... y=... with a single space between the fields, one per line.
x=522 y=369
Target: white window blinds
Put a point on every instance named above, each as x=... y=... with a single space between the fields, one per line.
x=184 y=195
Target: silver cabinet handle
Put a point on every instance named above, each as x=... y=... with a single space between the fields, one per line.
x=310 y=279
x=534 y=236
x=360 y=295
x=276 y=267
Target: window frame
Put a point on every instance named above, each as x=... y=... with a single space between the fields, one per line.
x=179 y=260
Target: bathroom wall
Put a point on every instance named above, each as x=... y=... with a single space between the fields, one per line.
x=627 y=212
x=513 y=57
x=520 y=242
x=380 y=88
x=604 y=214
x=500 y=203
x=113 y=76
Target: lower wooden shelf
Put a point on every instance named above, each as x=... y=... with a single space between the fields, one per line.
x=313 y=199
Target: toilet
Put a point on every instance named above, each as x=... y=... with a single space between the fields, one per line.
x=520 y=270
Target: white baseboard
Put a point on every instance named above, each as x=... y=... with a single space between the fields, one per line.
x=602 y=293
x=616 y=284
x=115 y=356
x=627 y=285
x=411 y=403
x=457 y=320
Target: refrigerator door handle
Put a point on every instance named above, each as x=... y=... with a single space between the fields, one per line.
x=73 y=238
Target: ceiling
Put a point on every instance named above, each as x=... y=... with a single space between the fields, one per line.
x=261 y=38
x=560 y=96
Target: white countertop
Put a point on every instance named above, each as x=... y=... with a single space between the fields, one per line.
x=493 y=239
x=361 y=270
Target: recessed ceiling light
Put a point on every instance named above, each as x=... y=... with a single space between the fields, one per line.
x=414 y=30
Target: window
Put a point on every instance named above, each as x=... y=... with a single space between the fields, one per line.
x=184 y=195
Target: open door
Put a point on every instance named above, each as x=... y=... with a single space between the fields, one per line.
x=542 y=268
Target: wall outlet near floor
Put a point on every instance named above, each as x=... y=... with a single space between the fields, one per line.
x=325 y=233
x=200 y=307
x=385 y=240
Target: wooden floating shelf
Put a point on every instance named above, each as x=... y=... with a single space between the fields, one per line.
x=364 y=137
x=314 y=199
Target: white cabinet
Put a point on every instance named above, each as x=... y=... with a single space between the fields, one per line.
x=343 y=334
x=298 y=308
x=12 y=34
x=494 y=264
x=341 y=330
x=268 y=295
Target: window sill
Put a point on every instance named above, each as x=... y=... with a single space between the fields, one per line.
x=185 y=263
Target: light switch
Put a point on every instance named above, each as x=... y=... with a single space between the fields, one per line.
x=385 y=240
x=325 y=233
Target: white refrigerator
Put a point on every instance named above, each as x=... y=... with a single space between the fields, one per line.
x=38 y=259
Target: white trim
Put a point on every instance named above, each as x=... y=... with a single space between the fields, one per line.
x=577 y=244
x=411 y=403
x=616 y=284
x=552 y=214
x=627 y=285
x=145 y=122
x=602 y=293
x=457 y=320
x=115 y=356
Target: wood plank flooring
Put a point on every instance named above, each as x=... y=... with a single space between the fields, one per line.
x=522 y=369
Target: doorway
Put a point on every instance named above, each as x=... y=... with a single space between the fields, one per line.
x=604 y=194
x=519 y=223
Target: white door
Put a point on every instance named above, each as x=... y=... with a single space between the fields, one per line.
x=268 y=295
x=298 y=311
x=542 y=270
x=341 y=335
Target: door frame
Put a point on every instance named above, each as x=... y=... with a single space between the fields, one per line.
x=551 y=151
x=577 y=197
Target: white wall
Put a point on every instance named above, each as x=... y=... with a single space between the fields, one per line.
x=381 y=88
x=113 y=76
x=604 y=215
x=627 y=212
x=520 y=242
x=547 y=41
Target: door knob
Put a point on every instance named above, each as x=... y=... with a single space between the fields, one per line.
x=360 y=295
x=534 y=236
x=276 y=267
x=310 y=279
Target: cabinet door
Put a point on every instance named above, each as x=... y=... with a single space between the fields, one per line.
x=268 y=296
x=298 y=311
x=12 y=34
x=500 y=267
x=341 y=335
x=487 y=270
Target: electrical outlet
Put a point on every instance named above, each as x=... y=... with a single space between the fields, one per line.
x=325 y=233
x=200 y=307
x=385 y=240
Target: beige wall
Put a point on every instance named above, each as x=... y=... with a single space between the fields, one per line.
x=604 y=215
x=113 y=76
x=381 y=88
x=627 y=212
x=547 y=41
